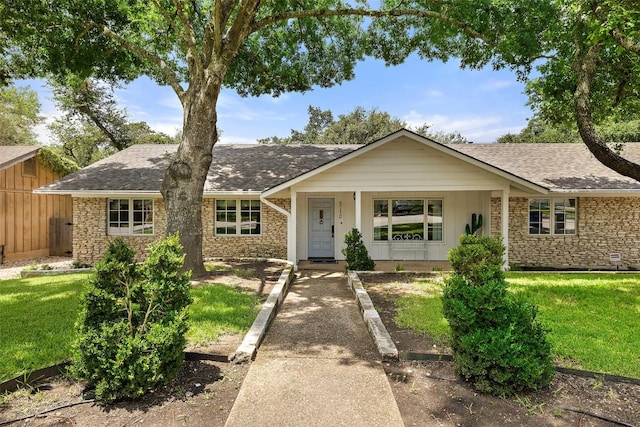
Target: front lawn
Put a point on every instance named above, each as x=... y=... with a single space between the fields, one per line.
x=37 y=318
x=593 y=318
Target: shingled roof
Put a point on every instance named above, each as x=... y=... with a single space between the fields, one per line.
x=235 y=168
x=254 y=168
x=555 y=166
x=12 y=154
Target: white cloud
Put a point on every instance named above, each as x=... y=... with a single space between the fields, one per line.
x=474 y=128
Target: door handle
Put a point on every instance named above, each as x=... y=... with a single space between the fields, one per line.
x=332 y=230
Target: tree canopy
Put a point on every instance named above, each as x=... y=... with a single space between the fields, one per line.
x=592 y=74
x=539 y=130
x=255 y=47
x=360 y=126
x=93 y=125
x=19 y=114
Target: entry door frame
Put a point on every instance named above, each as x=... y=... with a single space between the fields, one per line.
x=321 y=228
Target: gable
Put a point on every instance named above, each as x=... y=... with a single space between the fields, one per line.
x=13 y=154
x=403 y=164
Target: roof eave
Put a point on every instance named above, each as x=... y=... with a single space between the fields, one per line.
x=20 y=158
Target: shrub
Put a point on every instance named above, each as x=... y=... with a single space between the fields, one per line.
x=356 y=253
x=134 y=318
x=497 y=343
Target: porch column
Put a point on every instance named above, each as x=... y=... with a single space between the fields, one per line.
x=358 y=201
x=505 y=225
x=291 y=234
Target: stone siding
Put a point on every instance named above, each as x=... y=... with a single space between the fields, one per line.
x=271 y=243
x=90 y=238
x=605 y=225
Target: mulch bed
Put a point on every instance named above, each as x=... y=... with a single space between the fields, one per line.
x=429 y=393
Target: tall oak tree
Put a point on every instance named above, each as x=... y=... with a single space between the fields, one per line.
x=197 y=47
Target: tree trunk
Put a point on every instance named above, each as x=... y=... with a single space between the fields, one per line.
x=585 y=68
x=184 y=180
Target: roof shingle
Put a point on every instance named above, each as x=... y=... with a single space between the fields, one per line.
x=257 y=167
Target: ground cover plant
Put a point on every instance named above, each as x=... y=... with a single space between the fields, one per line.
x=592 y=317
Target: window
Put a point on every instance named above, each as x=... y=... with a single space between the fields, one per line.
x=29 y=167
x=401 y=219
x=552 y=216
x=130 y=216
x=235 y=217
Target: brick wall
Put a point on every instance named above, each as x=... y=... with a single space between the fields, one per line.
x=605 y=225
x=90 y=238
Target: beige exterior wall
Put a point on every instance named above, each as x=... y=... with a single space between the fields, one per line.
x=605 y=225
x=90 y=238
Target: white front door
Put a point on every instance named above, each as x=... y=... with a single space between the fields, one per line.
x=321 y=240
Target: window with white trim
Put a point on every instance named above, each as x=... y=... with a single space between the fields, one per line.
x=553 y=216
x=405 y=219
x=130 y=217
x=238 y=217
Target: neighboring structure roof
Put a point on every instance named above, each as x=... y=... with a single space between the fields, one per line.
x=254 y=168
x=568 y=167
x=12 y=154
x=235 y=168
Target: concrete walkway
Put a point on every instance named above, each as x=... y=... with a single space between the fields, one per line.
x=318 y=365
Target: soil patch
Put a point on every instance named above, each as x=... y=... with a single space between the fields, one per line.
x=429 y=393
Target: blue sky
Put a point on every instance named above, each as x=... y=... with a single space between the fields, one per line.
x=480 y=104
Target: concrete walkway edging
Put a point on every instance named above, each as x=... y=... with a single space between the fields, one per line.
x=252 y=340
x=387 y=349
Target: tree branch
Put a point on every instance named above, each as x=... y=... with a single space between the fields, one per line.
x=166 y=71
x=585 y=65
x=622 y=39
x=191 y=45
x=368 y=13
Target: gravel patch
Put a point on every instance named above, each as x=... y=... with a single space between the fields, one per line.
x=12 y=269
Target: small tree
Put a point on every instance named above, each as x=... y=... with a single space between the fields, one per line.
x=356 y=253
x=131 y=329
x=498 y=345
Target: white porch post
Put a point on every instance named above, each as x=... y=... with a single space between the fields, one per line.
x=291 y=235
x=358 y=201
x=505 y=225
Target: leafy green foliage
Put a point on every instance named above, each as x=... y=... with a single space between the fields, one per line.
x=355 y=252
x=58 y=164
x=19 y=114
x=357 y=127
x=131 y=332
x=497 y=343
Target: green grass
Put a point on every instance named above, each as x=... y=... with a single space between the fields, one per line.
x=234 y=271
x=218 y=309
x=423 y=313
x=37 y=317
x=593 y=318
